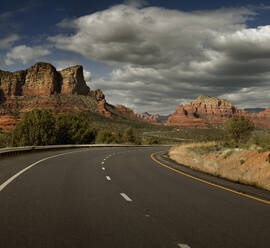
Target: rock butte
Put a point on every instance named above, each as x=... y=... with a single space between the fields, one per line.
x=42 y=86
x=205 y=112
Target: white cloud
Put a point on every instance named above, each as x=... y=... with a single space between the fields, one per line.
x=165 y=57
x=135 y=3
x=87 y=76
x=8 y=41
x=25 y=54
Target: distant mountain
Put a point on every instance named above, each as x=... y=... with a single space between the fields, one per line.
x=254 y=110
x=206 y=111
x=42 y=86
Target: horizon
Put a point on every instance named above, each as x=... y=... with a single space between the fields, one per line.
x=147 y=56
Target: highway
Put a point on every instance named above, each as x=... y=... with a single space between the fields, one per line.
x=120 y=197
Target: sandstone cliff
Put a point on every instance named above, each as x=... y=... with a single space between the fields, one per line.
x=208 y=111
x=42 y=79
x=43 y=86
x=145 y=117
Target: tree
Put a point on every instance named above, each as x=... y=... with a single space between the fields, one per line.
x=239 y=129
x=105 y=137
x=73 y=129
x=36 y=128
x=152 y=141
x=129 y=135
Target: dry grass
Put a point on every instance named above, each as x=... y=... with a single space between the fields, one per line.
x=244 y=166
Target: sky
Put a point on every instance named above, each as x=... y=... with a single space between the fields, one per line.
x=149 y=55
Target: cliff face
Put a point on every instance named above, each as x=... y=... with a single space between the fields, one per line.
x=145 y=117
x=42 y=79
x=72 y=81
x=208 y=111
x=42 y=86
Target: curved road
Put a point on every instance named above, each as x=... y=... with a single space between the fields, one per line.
x=120 y=197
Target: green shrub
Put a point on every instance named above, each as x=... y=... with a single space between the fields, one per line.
x=71 y=127
x=228 y=154
x=262 y=139
x=152 y=141
x=105 y=137
x=129 y=135
x=238 y=129
x=5 y=139
x=36 y=128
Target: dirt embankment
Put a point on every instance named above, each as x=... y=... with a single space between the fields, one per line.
x=245 y=166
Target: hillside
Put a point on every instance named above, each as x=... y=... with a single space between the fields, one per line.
x=65 y=91
x=206 y=112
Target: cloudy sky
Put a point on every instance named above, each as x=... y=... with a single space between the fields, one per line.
x=148 y=55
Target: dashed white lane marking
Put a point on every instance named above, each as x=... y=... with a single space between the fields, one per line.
x=108 y=178
x=11 y=179
x=102 y=162
x=103 y=168
x=125 y=197
x=183 y=246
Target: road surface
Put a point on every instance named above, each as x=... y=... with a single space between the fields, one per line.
x=120 y=197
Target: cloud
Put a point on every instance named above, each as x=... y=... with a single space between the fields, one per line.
x=165 y=57
x=135 y=3
x=246 y=44
x=8 y=41
x=25 y=54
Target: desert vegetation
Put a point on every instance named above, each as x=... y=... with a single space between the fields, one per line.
x=241 y=155
x=45 y=127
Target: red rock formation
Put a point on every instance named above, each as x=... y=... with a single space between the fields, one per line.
x=41 y=86
x=151 y=118
x=102 y=104
x=42 y=79
x=186 y=117
x=8 y=122
x=208 y=111
x=73 y=81
x=129 y=113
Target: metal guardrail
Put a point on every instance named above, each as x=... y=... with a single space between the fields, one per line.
x=17 y=150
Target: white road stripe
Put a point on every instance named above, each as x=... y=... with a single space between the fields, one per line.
x=183 y=246
x=102 y=162
x=108 y=178
x=11 y=179
x=125 y=197
x=103 y=168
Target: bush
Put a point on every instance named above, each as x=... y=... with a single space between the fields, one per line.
x=105 y=137
x=152 y=141
x=228 y=154
x=36 y=128
x=74 y=129
x=129 y=135
x=5 y=139
x=42 y=127
x=262 y=139
x=238 y=129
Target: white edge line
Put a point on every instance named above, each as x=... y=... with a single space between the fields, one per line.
x=126 y=197
x=108 y=178
x=11 y=179
x=183 y=245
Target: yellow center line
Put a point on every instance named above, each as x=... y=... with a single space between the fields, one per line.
x=207 y=182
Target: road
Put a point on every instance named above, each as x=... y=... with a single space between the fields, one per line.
x=120 y=197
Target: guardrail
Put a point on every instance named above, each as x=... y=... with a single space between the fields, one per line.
x=17 y=150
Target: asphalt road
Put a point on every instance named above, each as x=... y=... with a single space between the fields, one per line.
x=120 y=197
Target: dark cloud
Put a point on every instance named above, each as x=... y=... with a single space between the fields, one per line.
x=165 y=57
